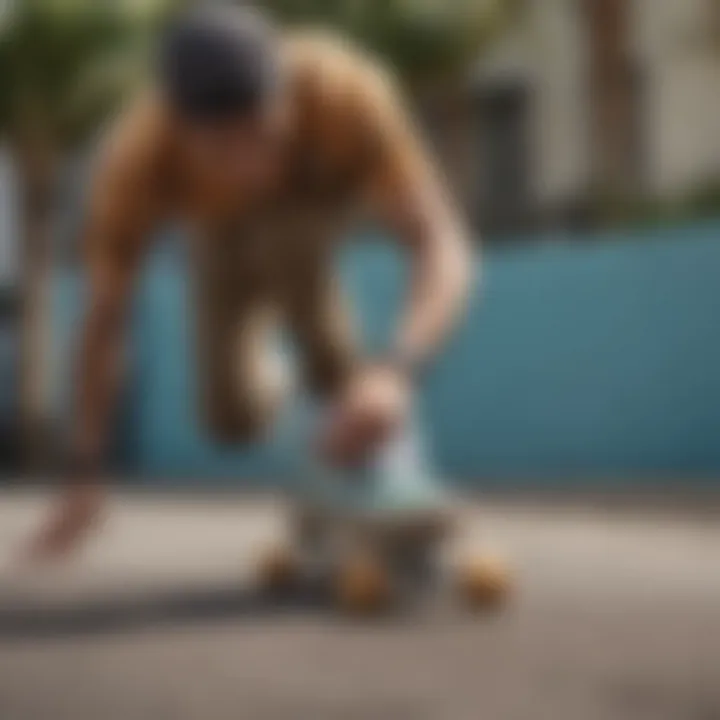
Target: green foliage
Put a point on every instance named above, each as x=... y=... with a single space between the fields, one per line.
x=700 y=202
x=425 y=40
x=63 y=62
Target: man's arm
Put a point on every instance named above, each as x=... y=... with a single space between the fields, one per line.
x=120 y=218
x=412 y=201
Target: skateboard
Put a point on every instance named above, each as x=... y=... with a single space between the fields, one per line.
x=373 y=564
x=374 y=538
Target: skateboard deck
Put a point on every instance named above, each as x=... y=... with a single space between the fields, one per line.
x=365 y=566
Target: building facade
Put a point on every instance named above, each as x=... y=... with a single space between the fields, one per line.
x=536 y=104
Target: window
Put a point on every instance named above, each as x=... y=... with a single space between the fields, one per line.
x=503 y=198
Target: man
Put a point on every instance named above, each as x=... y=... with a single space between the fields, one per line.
x=267 y=146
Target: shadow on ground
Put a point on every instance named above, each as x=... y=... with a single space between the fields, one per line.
x=216 y=603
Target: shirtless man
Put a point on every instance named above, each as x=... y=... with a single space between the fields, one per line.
x=267 y=145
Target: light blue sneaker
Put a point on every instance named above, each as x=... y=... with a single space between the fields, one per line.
x=397 y=486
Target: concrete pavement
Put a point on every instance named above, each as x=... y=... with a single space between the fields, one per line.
x=617 y=616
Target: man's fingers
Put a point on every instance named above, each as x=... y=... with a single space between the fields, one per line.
x=66 y=528
x=339 y=442
x=350 y=438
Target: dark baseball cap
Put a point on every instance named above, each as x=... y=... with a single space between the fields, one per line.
x=218 y=61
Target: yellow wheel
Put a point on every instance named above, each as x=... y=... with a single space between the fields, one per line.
x=278 y=570
x=484 y=582
x=363 y=585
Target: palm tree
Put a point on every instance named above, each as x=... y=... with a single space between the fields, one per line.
x=62 y=64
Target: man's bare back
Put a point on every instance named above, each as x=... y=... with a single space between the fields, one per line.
x=345 y=130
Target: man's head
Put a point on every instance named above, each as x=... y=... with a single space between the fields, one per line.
x=220 y=75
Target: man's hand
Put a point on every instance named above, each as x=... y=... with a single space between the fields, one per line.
x=76 y=512
x=372 y=408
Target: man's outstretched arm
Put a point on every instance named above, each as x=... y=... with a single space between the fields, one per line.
x=114 y=239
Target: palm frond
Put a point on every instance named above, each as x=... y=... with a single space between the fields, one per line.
x=53 y=53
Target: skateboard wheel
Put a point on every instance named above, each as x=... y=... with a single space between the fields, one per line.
x=363 y=586
x=484 y=583
x=278 y=569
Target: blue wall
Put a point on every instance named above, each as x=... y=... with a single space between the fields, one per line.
x=587 y=359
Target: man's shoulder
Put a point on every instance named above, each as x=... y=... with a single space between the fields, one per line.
x=136 y=141
x=330 y=66
x=130 y=167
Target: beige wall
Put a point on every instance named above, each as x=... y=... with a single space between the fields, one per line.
x=680 y=113
x=547 y=52
x=674 y=46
